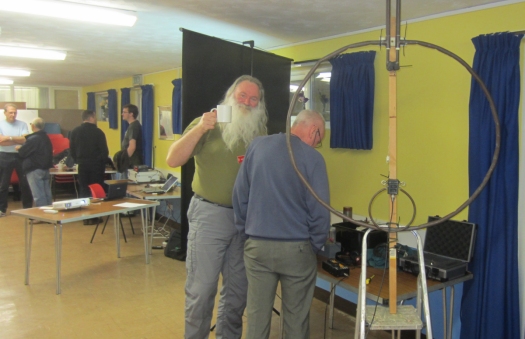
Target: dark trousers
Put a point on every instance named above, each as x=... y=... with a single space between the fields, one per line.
x=8 y=162
x=90 y=174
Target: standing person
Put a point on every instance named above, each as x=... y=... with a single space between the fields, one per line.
x=37 y=155
x=89 y=149
x=132 y=142
x=214 y=245
x=285 y=225
x=12 y=133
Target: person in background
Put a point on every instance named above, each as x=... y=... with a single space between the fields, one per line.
x=89 y=149
x=132 y=142
x=12 y=133
x=285 y=225
x=214 y=245
x=37 y=155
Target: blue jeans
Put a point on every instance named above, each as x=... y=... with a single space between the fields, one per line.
x=39 y=181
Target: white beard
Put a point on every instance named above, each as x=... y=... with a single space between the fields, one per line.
x=247 y=123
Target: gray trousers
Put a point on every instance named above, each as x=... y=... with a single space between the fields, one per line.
x=214 y=247
x=294 y=264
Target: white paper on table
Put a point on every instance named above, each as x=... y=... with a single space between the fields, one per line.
x=129 y=204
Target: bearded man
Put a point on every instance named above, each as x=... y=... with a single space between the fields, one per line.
x=214 y=245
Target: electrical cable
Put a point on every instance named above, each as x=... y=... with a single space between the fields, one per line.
x=399 y=228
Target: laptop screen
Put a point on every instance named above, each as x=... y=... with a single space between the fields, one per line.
x=169 y=184
x=117 y=190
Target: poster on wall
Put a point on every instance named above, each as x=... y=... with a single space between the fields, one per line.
x=165 y=126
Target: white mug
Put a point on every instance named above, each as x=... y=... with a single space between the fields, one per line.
x=224 y=113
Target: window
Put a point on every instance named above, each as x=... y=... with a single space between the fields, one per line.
x=37 y=97
x=136 y=99
x=316 y=92
x=101 y=106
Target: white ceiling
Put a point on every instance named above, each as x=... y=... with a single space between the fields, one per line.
x=99 y=53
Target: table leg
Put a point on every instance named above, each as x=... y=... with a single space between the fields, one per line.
x=449 y=333
x=58 y=252
x=144 y=221
x=154 y=209
x=28 y=238
x=331 y=306
x=444 y=300
x=116 y=223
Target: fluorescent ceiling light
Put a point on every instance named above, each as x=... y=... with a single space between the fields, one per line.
x=14 y=72
x=34 y=53
x=4 y=81
x=70 y=11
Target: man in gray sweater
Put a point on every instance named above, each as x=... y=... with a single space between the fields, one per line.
x=284 y=224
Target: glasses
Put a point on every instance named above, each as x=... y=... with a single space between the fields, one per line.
x=318 y=134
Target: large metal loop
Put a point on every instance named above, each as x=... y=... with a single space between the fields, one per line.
x=476 y=77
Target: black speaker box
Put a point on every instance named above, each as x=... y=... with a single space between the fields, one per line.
x=351 y=237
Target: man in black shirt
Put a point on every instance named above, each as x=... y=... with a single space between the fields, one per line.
x=89 y=149
x=132 y=142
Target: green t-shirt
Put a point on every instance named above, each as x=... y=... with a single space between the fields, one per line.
x=216 y=166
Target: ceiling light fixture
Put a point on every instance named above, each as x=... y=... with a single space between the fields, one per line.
x=14 y=72
x=71 y=11
x=4 y=81
x=34 y=53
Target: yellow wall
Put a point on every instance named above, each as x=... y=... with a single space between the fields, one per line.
x=163 y=89
x=433 y=95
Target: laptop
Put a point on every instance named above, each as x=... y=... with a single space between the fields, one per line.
x=117 y=190
x=165 y=188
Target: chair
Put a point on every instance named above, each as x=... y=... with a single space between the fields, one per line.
x=59 y=144
x=14 y=183
x=98 y=192
x=63 y=179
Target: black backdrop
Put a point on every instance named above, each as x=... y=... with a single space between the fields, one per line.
x=209 y=66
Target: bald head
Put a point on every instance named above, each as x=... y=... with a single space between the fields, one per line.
x=37 y=124
x=309 y=127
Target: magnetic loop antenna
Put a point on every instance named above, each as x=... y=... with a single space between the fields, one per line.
x=475 y=76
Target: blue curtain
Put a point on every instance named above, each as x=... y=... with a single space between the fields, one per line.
x=352 y=100
x=113 y=108
x=490 y=306
x=176 y=106
x=147 y=123
x=91 y=102
x=125 y=98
